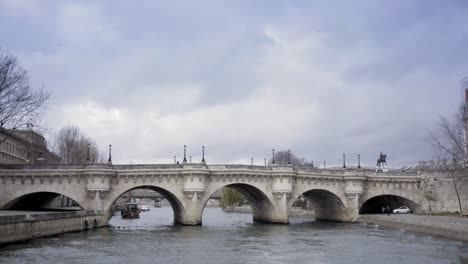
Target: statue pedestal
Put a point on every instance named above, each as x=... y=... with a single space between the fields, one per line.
x=381 y=170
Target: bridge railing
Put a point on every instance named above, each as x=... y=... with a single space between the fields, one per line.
x=249 y=167
x=129 y=167
x=90 y=166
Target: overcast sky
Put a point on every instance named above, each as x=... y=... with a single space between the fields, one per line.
x=242 y=77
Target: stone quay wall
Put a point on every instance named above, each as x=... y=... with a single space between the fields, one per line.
x=439 y=192
x=26 y=226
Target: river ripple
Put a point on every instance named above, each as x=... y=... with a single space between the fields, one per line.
x=233 y=238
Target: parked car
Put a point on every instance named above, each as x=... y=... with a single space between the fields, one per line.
x=402 y=210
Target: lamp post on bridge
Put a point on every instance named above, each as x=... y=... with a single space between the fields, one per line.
x=87 y=156
x=203 y=155
x=289 y=157
x=273 y=160
x=175 y=159
x=185 y=155
x=251 y=161
x=109 y=160
x=359 y=161
x=344 y=161
x=324 y=164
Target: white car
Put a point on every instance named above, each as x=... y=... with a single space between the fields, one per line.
x=402 y=210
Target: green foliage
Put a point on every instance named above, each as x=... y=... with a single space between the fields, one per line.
x=231 y=197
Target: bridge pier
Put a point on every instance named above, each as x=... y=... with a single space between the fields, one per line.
x=192 y=214
x=351 y=211
x=282 y=186
x=354 y=187
x=276 y=213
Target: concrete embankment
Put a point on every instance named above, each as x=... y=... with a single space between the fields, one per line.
x=454 y=228
x=19 y=225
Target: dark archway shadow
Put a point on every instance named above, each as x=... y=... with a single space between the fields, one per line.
x=376 y=204
x=43 y=201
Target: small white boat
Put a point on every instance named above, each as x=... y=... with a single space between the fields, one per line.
x=145 y=208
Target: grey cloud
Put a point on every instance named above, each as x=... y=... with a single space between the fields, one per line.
x=320 y=79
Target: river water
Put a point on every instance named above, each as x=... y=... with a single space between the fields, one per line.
x=234 y=238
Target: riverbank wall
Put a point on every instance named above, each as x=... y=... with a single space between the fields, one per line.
x=454 y=228
x=439 y=191
x=26 y=226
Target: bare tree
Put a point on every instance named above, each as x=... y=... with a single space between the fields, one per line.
x=19 y=103
x=72 y=147
x=429 y=195
x=282 y=158
x=448 y=141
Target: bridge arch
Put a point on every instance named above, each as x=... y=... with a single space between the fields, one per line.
x=327 y=204
x=41 y=200
x=176 y=203
x=373 y=204
x=258 y=198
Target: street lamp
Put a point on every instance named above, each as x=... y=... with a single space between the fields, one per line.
x=203 y=155
x=109 y=161
x=87 y=156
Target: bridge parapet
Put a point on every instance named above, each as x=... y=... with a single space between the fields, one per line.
x=195 y=177
x=282 y=184
x=354 y=185
x=249 y=167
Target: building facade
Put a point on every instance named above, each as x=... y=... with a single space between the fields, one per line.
x=25 y=147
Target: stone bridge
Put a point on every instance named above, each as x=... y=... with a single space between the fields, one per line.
x=336 y=194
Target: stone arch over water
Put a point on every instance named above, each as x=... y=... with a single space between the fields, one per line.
x=327 y=205
x=258 y=199
x=175 y=202
x=38 y=201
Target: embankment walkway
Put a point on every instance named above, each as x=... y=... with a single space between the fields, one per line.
x=455 y=228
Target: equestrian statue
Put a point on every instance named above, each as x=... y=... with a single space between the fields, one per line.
x=382 y=160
